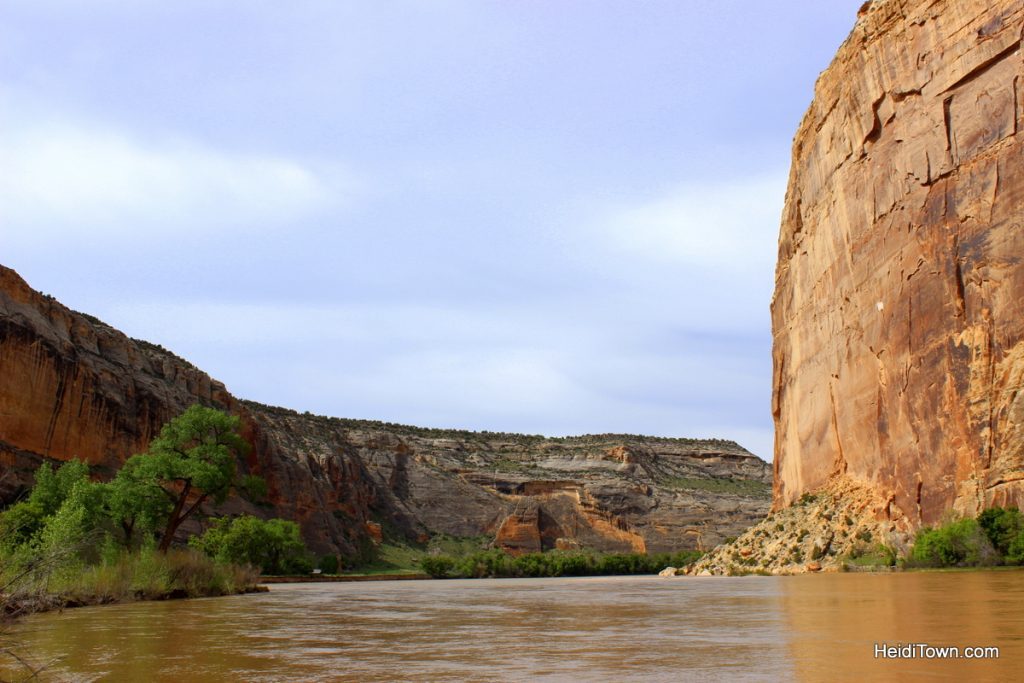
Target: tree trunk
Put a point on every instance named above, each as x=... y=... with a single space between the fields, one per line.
x=175 y=518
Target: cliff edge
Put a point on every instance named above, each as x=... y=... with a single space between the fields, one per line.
x=898 y=323
x=897 y=314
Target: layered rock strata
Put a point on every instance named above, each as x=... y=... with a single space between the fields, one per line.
x=73 y=387
x=897 y=317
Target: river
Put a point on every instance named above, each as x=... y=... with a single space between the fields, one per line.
x=811 y=627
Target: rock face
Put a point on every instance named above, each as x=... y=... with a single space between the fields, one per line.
x=898 y=314
x=839 y=527
x=71 y=386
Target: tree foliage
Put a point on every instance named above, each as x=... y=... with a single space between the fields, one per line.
x=1002 y=526
x=192 y=460
x=553 y=563
x=960 y=543
x=25 y=522
x=273 y=545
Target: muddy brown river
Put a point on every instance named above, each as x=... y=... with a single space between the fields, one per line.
x=813 y=628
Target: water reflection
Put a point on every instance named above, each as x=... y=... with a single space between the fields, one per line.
x=834 y=622
x=595 y=629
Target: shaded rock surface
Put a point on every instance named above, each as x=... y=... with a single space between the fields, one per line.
x=897 y=316
x=71 y=386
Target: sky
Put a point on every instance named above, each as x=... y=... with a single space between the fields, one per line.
x=553 y=217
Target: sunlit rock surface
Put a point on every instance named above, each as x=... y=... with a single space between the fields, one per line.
x=898 y=315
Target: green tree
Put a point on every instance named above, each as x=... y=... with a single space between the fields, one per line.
x=960 y=543
x=1002 y=526
x=192 y=460
x=1015 y=552
x=52 y=487
x=136 y=505
x=80 y=521
x=24 y=521
x=273 y=545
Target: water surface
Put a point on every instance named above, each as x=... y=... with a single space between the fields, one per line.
x=816 y=627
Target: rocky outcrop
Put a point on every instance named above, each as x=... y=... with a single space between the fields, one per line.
x=897 y=316
x=840 y=527
x=71 y=386
x=530 y=493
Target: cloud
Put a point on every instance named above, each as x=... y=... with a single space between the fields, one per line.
x=63 y=180
x=728 y=225
x=515 y=369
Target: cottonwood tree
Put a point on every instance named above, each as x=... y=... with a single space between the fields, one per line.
x=193 y=458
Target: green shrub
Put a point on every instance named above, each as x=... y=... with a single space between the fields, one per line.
x=273 y=546
x=494 y=563
x=1015 y=551
x=439 y=566
x=328 y=564
x=879 y=556
x=1001 y=526
x=961 y=543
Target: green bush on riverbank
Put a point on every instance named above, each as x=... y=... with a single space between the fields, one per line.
x=73 y=540
x=496 y=563
x=273 y=545
x=995 y=537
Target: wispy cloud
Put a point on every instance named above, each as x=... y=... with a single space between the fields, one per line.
x=732 y=224
x=514 y=369
x=63 y=179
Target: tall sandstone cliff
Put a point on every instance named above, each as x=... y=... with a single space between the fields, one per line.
x=73 y=387
x=898 y=315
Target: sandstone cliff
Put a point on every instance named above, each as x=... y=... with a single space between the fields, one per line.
x=897 y=317
x=71 y=386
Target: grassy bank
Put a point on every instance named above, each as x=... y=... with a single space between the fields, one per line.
x=45 y=584
x=446 y=556
x=495 y=563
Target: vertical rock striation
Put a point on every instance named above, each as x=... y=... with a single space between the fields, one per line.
x=898 y=314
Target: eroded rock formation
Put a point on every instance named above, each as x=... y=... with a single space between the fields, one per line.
x=71 y=386
x=898 y=315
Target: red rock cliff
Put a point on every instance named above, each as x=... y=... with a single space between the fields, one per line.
x=898 y=314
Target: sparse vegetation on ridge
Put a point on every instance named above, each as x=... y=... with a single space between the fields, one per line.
x=468 y=435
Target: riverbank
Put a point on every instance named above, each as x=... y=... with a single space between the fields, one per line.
x=130 y=577
x=19 y=606
x=332 y=578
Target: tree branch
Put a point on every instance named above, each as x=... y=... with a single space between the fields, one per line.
x=195 y=505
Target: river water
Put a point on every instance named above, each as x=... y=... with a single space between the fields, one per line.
x=812 y=627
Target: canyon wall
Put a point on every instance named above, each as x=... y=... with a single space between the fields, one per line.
x=898 y=314
x=73 y=387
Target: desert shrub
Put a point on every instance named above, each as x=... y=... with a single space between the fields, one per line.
x=880 y=555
